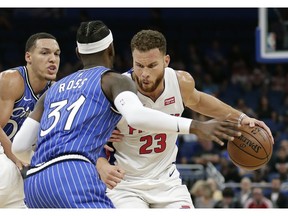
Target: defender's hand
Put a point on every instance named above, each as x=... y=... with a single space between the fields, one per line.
x=111 y=175
x=215 y=130
x=116 y=136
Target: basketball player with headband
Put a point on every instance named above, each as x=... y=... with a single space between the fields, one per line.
x=76 y=117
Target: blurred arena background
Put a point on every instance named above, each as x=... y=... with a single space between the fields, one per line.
x=220 y=47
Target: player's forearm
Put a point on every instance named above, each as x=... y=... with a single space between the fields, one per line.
x=215 y=108
x=146 y=119
x=6 y=144
x=100 y=163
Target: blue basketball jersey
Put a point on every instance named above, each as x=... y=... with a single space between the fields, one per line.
x=77 y=118
x=76 y=123
x=23 y=106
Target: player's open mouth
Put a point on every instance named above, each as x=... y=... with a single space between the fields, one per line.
x=52 y=69
x=145 y=82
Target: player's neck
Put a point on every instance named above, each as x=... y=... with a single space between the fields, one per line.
x=96 y=60
x=37 y=83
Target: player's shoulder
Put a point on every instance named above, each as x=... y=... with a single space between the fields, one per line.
x=11 y=76
x=186 y=82
x=116 y=77
x=182 y=73
x=112 y=75
x=184 y=76
x=114 y=81
x=179 y=73
x=11 y=84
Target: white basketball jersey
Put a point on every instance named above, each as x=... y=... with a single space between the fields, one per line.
x=143 y=154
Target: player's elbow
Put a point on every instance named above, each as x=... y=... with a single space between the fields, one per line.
x=136 y=118
x=136 y=123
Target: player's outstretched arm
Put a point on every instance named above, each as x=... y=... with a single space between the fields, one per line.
x=215 y=130
x=122 y=91
x=211 y=106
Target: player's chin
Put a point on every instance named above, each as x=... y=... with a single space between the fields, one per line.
x=147 y=88
x=50 y=77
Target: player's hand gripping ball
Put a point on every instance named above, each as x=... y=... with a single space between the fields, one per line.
x=252 y=150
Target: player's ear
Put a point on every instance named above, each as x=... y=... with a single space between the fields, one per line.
x=166 y=60
x=28 y=57
x=77 y=53
x=111 y=51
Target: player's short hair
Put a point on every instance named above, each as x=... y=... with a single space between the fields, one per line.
x=31 y=42
x=92 y=31
x=93 y=37
x=146 y=40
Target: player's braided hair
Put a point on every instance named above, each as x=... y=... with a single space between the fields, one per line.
x=92 y=31
x=146 y=40
x=31 y=42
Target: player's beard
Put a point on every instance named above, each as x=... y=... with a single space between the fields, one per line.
x=152 y=87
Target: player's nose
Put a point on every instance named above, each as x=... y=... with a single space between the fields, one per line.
x=145 y=72
x=52 y=57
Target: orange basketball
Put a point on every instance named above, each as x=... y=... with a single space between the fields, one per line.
x=252 y=149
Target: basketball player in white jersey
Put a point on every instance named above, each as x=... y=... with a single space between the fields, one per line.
x=20 y=89
x=145 y=174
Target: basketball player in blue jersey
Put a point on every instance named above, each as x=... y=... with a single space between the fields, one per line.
x=20 y=88
x=78 y=115
x=145 y=174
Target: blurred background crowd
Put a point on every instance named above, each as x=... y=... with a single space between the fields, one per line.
x=217 y=46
